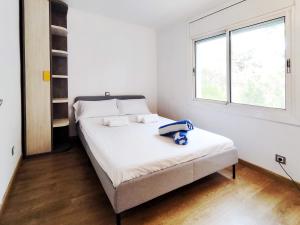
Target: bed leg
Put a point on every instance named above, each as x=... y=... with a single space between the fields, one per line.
x=233 y=171
x=118 y=219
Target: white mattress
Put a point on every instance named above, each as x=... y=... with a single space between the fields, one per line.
x=131 y=151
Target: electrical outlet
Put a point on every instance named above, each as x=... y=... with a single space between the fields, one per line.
x=107 y=93
x=13 y=150
x=280 y=159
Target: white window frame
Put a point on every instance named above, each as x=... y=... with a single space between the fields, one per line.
x=287 y=115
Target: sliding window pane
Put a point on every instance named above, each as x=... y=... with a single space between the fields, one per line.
x=211 y=78
x=258 y=64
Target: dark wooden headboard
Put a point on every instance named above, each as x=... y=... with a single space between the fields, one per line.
x=101 y=98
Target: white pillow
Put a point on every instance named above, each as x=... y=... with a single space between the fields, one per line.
x=133 y=106
x=88 y=109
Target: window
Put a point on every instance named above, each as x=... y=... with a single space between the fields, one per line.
x=252 y=71
x=210 y=71
x=258 y=64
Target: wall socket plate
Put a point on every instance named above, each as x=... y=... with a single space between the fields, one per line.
x=280 y=159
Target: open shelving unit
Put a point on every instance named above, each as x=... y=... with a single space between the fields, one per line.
x=59 y=75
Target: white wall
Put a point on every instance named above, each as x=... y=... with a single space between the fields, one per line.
x=257 y=140
x=10 y=111
x=110 y=55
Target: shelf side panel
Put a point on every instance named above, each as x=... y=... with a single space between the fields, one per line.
x=59 y=65
x=60 y=111
x=59 y=43
x=60 y=88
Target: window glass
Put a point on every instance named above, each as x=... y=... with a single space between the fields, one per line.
x=258 y=64
x=211 y=78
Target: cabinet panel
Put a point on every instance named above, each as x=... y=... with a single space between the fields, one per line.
x=37 y=60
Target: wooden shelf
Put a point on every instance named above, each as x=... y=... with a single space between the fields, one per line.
x=60 y=100
x=59 y=53
x=60 y=76
x=58 y=30
x=61 y=122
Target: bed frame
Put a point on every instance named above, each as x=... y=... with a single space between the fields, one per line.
x=145 y=188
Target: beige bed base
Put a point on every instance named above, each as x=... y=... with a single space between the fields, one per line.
x=142 y=189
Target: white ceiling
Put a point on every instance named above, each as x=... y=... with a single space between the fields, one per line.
x=152 y=13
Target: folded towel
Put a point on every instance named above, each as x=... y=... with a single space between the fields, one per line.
x=180 y=138
x=116 y=121
x=147 y=118
x=139 y=118
x=172 y=128
x=106 y=120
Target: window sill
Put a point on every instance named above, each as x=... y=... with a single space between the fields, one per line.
x=262 y=113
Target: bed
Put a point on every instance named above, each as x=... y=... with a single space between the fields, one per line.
x=134 y=164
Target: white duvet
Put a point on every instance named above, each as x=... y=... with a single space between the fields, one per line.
x=131 y=151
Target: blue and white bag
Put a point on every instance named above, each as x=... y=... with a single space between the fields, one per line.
x=170 y=129
x=177 y=130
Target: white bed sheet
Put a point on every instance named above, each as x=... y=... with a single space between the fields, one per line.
x=131 y=151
